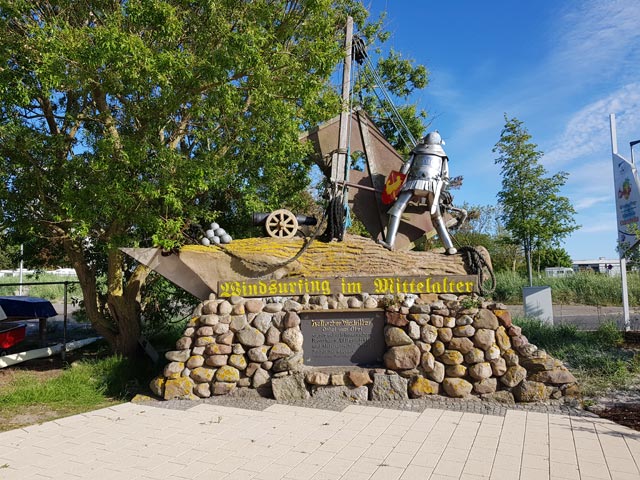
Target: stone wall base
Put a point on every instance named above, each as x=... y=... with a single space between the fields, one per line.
x=449 y=345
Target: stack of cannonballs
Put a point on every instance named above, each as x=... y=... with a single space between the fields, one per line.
x=216 y=235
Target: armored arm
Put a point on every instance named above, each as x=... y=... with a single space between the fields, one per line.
x=407 y=165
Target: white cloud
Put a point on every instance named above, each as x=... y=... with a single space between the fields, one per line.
x=596 y=36
x=587 y=132
x=591 y=201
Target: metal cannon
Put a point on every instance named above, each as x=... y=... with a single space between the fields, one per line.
x=282 y=223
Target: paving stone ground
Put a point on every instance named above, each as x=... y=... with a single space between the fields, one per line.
x=249 y=438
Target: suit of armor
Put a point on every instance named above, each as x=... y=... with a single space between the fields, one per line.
x=427 y=173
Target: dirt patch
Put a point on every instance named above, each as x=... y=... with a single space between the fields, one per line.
x=627 y=415
x=28 y=415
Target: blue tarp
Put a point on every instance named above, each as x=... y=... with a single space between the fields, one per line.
x=27 y=307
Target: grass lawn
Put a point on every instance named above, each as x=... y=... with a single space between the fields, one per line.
x=46 y=389
x=599 y=360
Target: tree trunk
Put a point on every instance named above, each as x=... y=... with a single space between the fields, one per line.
x=116 y=317
x=529 y=267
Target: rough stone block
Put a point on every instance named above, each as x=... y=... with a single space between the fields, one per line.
x=260 y=378
x=484 y=338
x=227 y=374
x=181 y=387
x=250 y=337
x=357 y=394
x=420 y=386
x=513 y=376
x=203 y=374
x=451 y=357
x=253 y=305
x=527 y=391
x=293 y=338
x=202 y=390
x=402 y=358
x=428 y=333
x=173 y=369
x=291 y=320
x=480 y=371
x=389 y=387
x=216 y=360
x=456 y=387
x=157 y=386
x=238 y=361
x=178 y=355
x=485 y=319
x=195 y=361
x=437 y=374
x=484 y=386
x=359 y=378
x=291 y=387
x=258 y=354
x=218 y=349
x=456 y=371
x=317 y=378
x=557 y=376
x=184 y=343
x=464 y=331
x=504 y=317
x=502 y=396
x=462 y=344
x=445 y=334
x=396 y=337
x=223 y=388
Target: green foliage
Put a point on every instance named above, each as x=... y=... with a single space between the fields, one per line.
x=165 y=308
x=9 y=254
x=594 y=357
x=87 y=384
x=583 y=288
x=552 y=257
x=124 y=123
x=533 y=211
x=469 y=302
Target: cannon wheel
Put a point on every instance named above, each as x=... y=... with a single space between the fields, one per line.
x=281 y=224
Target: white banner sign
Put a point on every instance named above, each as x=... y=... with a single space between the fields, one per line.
x=627 y=191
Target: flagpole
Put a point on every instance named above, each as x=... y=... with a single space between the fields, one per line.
x=623 y=260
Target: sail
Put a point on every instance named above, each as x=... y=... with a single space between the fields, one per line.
x=627 y=192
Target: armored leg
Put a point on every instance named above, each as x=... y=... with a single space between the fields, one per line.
x=443 y=233
x=394 y=219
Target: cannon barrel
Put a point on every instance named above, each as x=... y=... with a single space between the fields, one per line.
x=261 y=218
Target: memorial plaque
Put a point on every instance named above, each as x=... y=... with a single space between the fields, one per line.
x=343 y=338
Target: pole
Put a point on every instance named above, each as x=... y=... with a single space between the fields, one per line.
x=21 y=265
x=623 y=262
x=338 y=164
x=64 y=330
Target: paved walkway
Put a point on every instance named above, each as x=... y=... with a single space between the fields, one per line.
x=208 y=441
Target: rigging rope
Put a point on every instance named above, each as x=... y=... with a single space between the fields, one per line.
x=376 y=80
x=477 y=264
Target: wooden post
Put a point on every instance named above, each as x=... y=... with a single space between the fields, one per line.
x=339 y=160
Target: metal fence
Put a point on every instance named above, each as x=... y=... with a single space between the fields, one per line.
x=65 y=312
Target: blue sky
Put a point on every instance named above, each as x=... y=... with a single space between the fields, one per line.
x=560 y=67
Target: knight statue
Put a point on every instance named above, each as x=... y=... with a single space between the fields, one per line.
x=427 y=173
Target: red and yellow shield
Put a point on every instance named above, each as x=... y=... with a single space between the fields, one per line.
x=392 y=186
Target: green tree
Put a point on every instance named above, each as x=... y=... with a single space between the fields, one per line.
x=123 y=122
x=533 y=211
x=552 y=257
x=400 y=77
